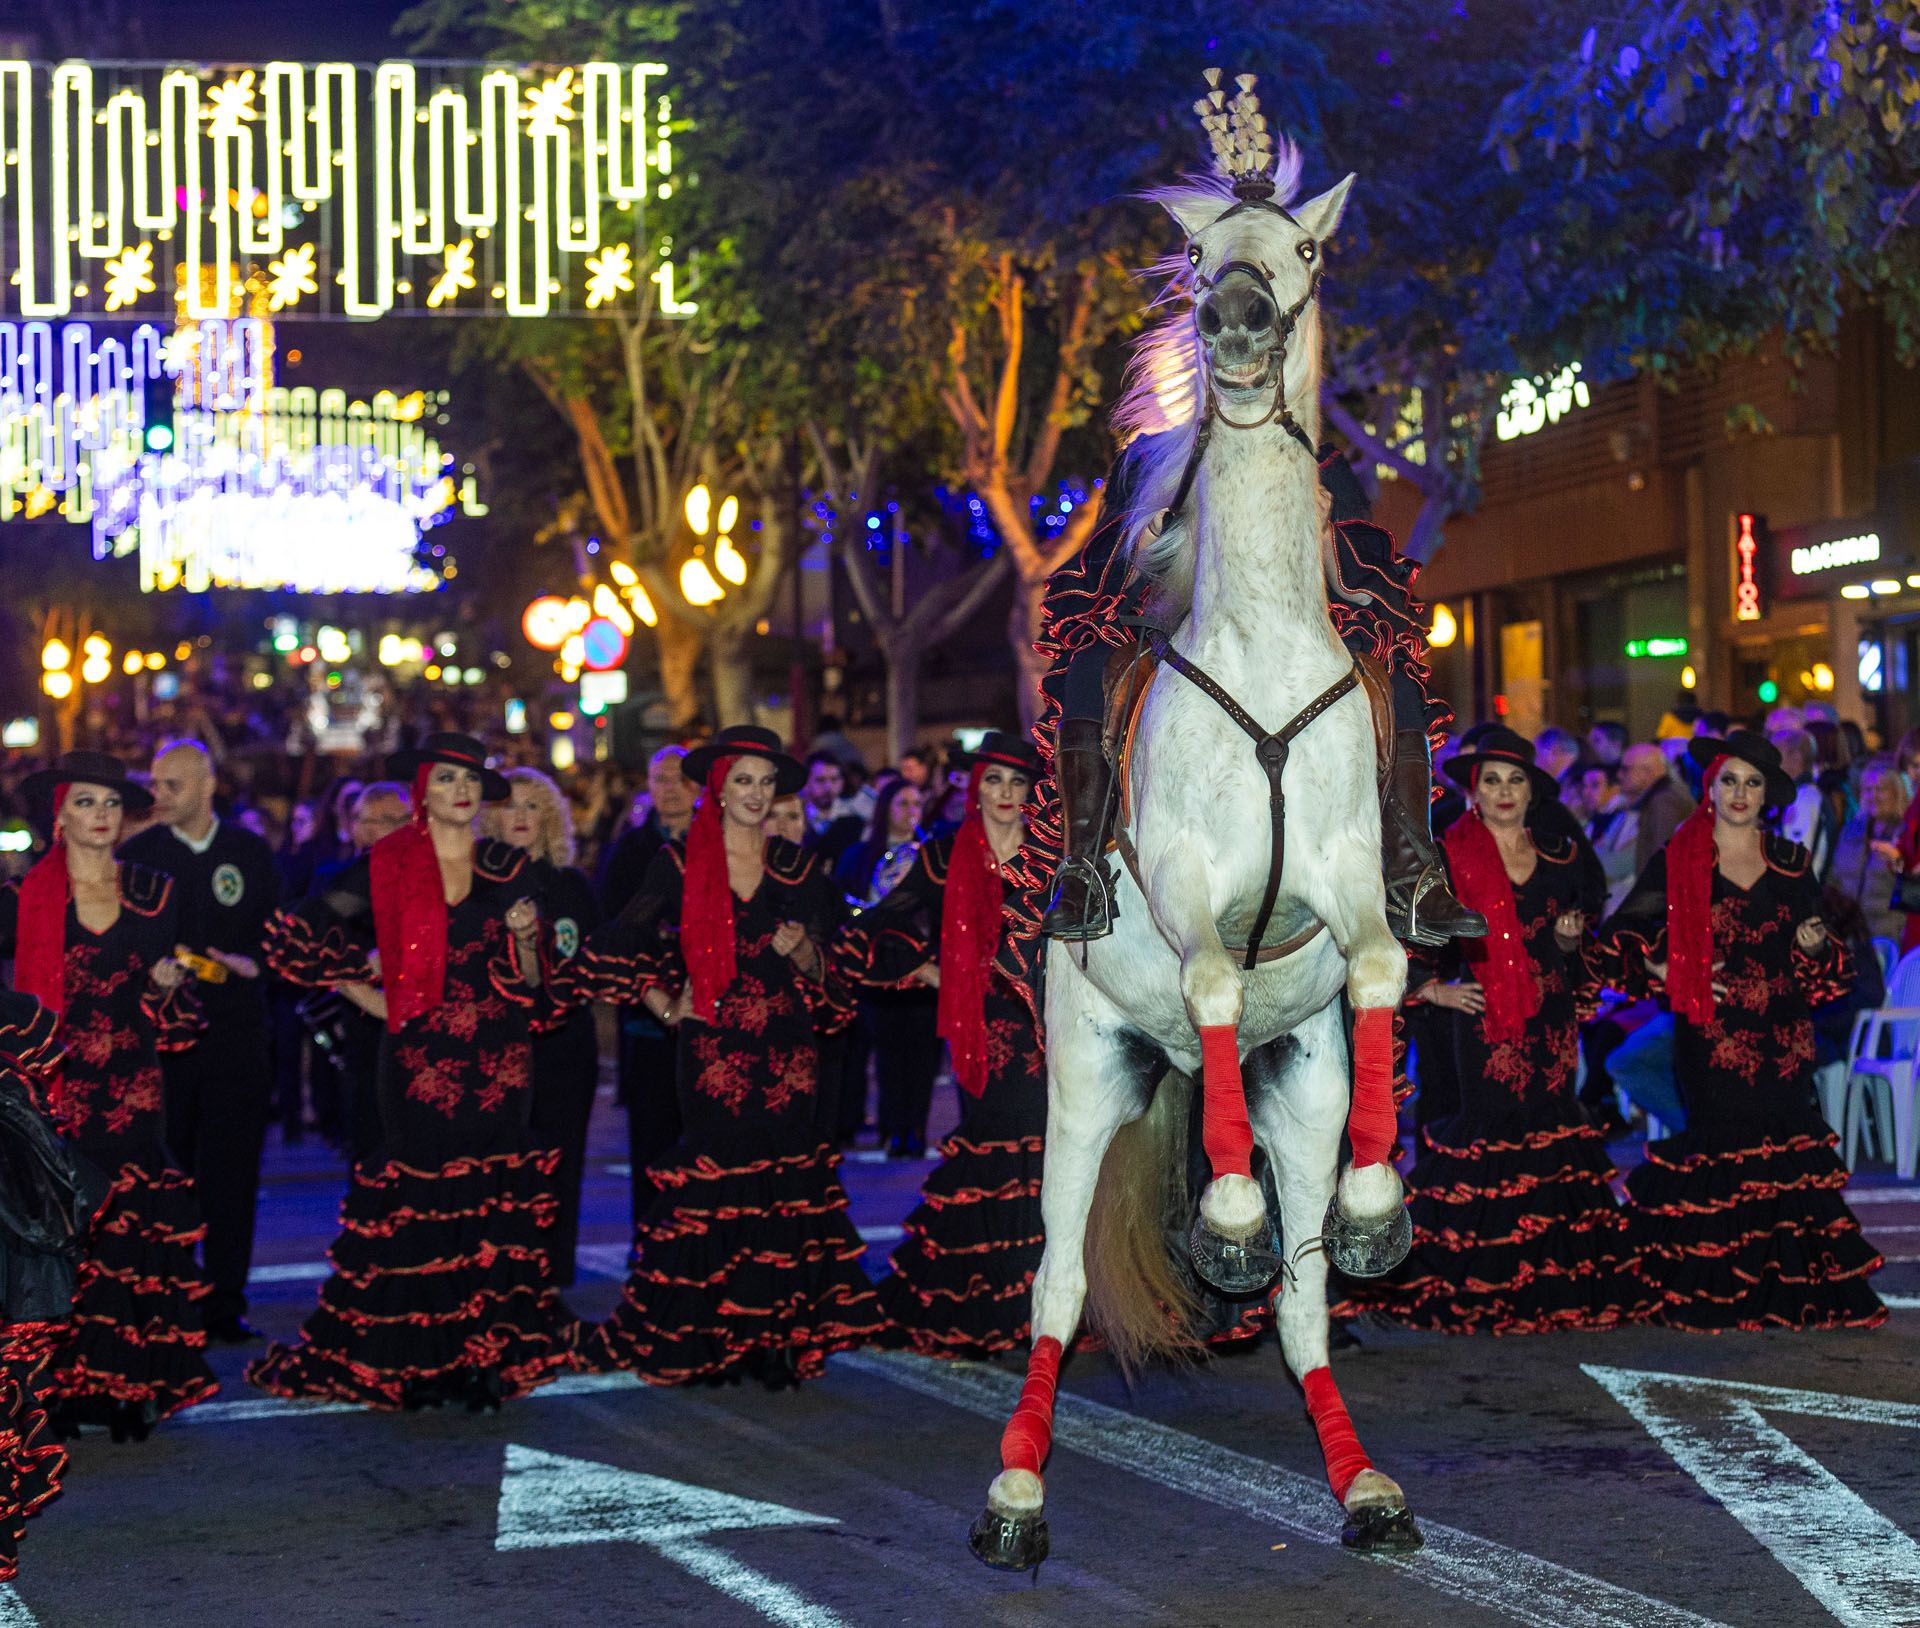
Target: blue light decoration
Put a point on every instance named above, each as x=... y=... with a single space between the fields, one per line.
x=603 y=644
x=1872 y=668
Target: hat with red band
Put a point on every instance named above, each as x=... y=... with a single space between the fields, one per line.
x=463 y=752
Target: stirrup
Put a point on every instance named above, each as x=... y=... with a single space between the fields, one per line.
x=1094 y=918
x=1404 y=919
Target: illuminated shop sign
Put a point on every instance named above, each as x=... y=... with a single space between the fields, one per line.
x=1530 y=405
x=1747 y=606
x=1654 y=649
x=1809 y=558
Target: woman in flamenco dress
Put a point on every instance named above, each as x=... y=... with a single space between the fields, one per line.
x=48 y=1195
x=566 y=1050
x=962 y=1278
x=1515 y=1228
x=1738 y=1219
x=442 y=1289
x=93 y=940
x=747 y=1262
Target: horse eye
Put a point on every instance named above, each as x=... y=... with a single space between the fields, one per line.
x=1306 y=252
x=1193 y=255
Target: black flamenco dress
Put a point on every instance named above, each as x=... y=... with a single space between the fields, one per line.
x=1738 y=1219
x=1515 y=1228
x=441 y=1288
x=48 y=1195
x=138 y=1344
x=962 y=1279
x=747 y=1261
x=566 y=1064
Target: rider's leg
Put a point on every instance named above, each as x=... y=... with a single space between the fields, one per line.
x=1421 y=908
x=1082 y=904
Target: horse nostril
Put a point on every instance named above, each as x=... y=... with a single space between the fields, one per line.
x=1259 y=314
x=1210 y=319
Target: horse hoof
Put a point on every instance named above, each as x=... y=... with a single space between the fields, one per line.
x=1367 y=1251
x=1232 y=1266
x=1010 y=1542
x=1383 y=1529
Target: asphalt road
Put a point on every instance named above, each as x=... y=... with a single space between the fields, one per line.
x=1637 y=1477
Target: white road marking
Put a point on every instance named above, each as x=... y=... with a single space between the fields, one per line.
x=13 y=1610
x=1901 y=1302
x=290 y=1272
x=1882 y=1195
x=1845 y=1553
x=549 y=1501
x=1515 y=1584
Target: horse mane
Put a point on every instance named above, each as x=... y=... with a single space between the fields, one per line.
x=1158 y=413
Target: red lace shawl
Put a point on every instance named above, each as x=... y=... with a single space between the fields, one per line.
x=706 y=899
x=1506 y=973
x=1691 y=858
x=970 y=927
x=40 y=953
x=410 y=915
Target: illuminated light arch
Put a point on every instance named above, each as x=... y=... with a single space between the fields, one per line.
x=492 y=186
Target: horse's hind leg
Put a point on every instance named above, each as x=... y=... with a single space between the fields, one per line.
x=1231 y=1244
x=1091 y=1092
x=1299 y=1096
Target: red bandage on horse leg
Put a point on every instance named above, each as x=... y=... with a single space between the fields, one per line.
x=1339 y=1446
x=1028 y=1438
x=1372 y=1125
x=1225 y=1131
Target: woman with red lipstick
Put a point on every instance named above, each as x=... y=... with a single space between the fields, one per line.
x=1515 y=1230
x=1738 y=1219
x=962 y=1279
x=94 y=940
x=747 y=1261
x=441 y=1287
x=537 y=820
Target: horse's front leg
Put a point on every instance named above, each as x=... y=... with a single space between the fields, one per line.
x=1232 y=1240
x=1092 y=1090
x=1299 y=1092
x=1368 y=1232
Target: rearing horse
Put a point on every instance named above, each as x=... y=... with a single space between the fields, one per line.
x=1229 y=524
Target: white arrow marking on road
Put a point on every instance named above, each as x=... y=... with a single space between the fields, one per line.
x=548 y=1501
x=1509 y=1581
x=1845 y=1553
x=13 y=1610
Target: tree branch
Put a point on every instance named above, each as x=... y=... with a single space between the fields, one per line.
x=943 y=620
x=1375 y=448
x=1046 y=445
x=1013 y=312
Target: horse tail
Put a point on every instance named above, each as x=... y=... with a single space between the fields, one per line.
x=1138 y=1301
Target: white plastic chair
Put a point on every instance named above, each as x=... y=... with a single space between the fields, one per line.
x=1883 y=1057
x=1889 y=952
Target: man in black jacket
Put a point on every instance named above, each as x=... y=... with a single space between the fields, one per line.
x=219 y=1094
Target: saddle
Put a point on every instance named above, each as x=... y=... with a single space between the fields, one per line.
x=1131 y=669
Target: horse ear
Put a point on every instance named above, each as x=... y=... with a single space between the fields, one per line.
x=1319 y=216
x=1195 y=211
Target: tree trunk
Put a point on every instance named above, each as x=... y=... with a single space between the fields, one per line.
x=1429 y=528
x=903 y=697
x=732 y=654
x=680 y=647
x=1023 y=628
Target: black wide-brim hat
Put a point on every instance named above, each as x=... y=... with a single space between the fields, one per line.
x=1748 y=748
x=747 y=740
x=1498 y=744
x=85 y=768
x=463 y=752
x=996 y=746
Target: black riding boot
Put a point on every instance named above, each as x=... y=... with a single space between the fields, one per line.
x=1421 y=908
x=1082 y=906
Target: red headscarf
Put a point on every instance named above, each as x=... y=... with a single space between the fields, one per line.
x=1507 y=975
x=1691 y=857
x=706 y=898
x=969 y=940
x=40 y=951
x=410 y=914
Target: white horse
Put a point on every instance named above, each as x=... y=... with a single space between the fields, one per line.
x=1239 y=567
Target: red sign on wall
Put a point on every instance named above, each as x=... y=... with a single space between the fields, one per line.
x=1749 y=531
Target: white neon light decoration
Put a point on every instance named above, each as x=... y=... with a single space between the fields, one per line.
x=1530 y=405
x=342 y=188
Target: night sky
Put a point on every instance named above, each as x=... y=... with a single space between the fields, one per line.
x=226 y=30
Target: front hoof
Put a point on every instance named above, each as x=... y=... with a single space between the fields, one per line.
x=1010 y=1542
x=1234 y=1267
x=1380 y=1528
x=1367 y=1250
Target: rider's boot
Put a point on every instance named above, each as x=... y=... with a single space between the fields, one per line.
x=1082 y=906
x=1421 y=908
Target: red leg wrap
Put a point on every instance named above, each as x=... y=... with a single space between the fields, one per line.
x=1028 y=1438
x=1225 y=1131
x=1339 y=1446
x=1372 y=1125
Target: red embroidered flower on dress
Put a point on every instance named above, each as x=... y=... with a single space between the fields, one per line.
x=1739 y=1054
x=748 y=1006
x=504 y=1071
x=437 y=1085
x=725 y=1077
x=791 y=1074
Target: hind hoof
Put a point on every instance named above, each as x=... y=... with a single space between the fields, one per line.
x=1382 y=1529
x=1232 y=1266
x=1367 y=1251
x=1010 y=1542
